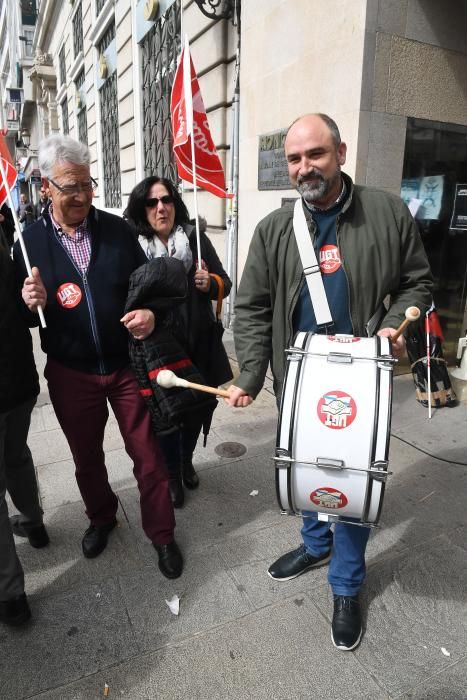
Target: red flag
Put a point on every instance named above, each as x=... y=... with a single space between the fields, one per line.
x=8 y=168
x=209 y=172
x=433 y=325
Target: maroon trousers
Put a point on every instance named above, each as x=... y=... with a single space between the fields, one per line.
x=80 y=404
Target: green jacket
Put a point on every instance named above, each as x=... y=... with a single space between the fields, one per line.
x=381 y=253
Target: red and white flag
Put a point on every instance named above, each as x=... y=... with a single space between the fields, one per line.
x=189 y=121
x=8 y=170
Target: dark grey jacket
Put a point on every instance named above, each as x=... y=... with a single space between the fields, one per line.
x=381 y=253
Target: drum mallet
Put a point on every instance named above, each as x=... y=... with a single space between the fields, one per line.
x=411 y=314
x=167 y=379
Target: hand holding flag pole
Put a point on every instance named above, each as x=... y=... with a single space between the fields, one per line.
x=8 y=180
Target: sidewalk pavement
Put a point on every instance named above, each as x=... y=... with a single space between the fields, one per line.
x=239 y=633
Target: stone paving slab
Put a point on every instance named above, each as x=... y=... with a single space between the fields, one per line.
x=222 y=506
x=72 y=635
x=423 y=497
x=209 y=597
x=450 y=684
x=443 y=436
x=61 y=565
x=416 y=606
x=271 y=654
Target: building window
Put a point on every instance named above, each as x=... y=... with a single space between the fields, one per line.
x=65 y=126
x=107 y=38
x=109 y=130
x=160 y=48
x=99 y=5
x=434 y=176
x=28 y=12
x=62 y=65
x=82 y=115
x=78 y=30
x=27 y=44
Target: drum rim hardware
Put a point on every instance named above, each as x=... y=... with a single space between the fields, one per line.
x=378 y=468
x=339 y=356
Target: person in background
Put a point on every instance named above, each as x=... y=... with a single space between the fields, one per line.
x=43 y=203
x=7 y=224
x=83 y=258
x=19 y=387
x=161 y=220
x=25 y=212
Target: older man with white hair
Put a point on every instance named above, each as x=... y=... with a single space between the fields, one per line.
x=82 y=260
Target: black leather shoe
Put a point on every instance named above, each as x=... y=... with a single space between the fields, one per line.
x=15 y=611
x=296 y=562
x=176 y=491
x=170 y=559
x=346 y=630
x=37 y=536
x=190 y=477
x=95 y=539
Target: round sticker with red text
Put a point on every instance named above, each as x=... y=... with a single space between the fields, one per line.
x=343 y=338
x=336 y=410
x=69 y=295
x=329 y=259
x=327 y=497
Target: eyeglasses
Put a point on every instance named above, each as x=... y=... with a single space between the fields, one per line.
x=154 y=201
x=90 y=185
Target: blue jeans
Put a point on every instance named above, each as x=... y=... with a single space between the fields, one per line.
x=347 y=567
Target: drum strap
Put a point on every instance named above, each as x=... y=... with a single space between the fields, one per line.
x=311 y=267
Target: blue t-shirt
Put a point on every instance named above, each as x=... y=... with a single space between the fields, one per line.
x=333 y=275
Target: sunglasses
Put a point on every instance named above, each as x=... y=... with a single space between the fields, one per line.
x=154 y=201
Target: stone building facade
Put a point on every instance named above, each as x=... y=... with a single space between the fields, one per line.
x=392 y=73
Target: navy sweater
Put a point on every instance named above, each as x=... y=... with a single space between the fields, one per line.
x=83 y=312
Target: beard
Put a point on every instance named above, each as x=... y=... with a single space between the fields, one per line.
x=316 y=191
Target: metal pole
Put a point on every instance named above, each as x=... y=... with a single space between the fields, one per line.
x=232 y=238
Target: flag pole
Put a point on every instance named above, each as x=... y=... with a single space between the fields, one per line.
x=20 y=235
x=428 y=364
x=189 y=130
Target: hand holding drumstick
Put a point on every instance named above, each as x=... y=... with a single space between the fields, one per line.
x=412 y=313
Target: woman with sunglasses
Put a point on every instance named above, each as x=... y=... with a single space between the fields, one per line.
x=161 y=220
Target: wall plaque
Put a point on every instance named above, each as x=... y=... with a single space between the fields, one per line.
x=272 y=163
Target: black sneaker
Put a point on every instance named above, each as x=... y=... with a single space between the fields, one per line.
x=294 y=563
x=37 y=536
x=346 y=630
x=15 y=611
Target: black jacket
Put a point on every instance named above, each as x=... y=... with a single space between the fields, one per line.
x=83 y=313
x=200 y=314
x=18 y=377
x=161 y=284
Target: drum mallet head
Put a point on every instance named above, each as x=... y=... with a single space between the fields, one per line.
x=167 y=379
x=412 y=313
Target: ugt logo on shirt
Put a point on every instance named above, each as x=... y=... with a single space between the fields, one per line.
x=69 y=295
x=329 y=259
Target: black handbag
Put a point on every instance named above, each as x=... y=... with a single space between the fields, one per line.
x=219 y=370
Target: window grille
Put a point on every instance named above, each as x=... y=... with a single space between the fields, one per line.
x=99 y=5
x=160 y=48
x=65 y=125
x=107 y=38
x=78 y=30
x=62 y=65
x=82 y=112
x=109 y=130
